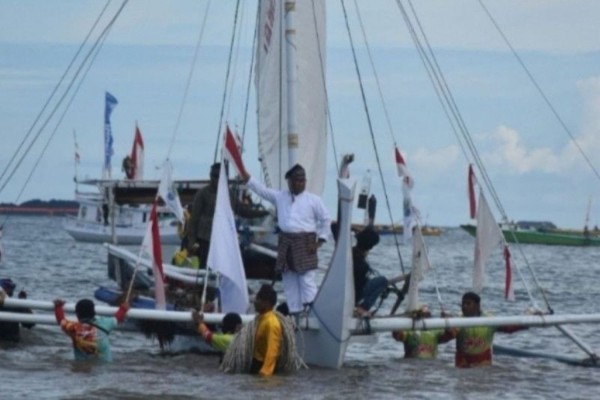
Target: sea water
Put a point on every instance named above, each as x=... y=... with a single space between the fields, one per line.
x=47 y=263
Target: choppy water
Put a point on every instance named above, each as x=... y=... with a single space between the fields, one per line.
x=45 y=261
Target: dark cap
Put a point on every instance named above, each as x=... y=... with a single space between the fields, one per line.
x=294 y=171
x=472 y=296
x=8 y=285
x=367 y=239
x=84 y=309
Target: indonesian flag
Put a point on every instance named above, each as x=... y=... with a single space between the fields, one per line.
x=233 y=153
x=408 y=210
x=488 y=238
x=471 y=185
x=420 y=266
x=168 y=192
x=224 y=253
x=509 y=292
x=137 y=155
x=151 y=246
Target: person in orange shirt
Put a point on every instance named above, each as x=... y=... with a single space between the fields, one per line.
x=269 y=335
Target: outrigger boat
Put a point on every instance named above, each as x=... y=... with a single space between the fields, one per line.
x=329 y=324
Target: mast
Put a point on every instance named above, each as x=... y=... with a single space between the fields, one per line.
x=292 y=80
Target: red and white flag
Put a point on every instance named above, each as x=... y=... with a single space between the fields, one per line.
x=471 y=185
x=151 y=246
x=137 y=155
x=408 y=210
x=233 y=152
x=224 y=254
x=488 y=238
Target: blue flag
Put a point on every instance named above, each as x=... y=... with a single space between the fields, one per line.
x=111 y=103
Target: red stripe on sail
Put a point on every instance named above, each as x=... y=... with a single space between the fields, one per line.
x=471 y=184
x=233 y=152
x=508 y=278
x=156 y=249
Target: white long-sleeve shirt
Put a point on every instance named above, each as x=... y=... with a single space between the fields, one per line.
x=304 y=212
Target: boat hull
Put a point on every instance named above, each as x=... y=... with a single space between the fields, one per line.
x=545 y=238
x=83 y=231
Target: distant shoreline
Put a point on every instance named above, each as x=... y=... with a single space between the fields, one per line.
x=40 y=207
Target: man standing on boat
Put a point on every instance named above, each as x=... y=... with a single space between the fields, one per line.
x=202 y=213
x=304 y=225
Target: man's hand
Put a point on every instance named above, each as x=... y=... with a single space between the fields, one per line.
x=197 y=317
x=59 y=302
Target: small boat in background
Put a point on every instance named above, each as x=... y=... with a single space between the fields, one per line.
x=543 y=233
x=384 y=229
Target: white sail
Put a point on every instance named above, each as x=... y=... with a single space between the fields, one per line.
x=272 y=93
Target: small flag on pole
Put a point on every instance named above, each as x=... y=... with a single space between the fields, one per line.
x=168 y=192
x=110 y=103
x=232 y=152
x=137 y=155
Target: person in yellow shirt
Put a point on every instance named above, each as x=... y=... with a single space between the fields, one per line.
x=269 y=335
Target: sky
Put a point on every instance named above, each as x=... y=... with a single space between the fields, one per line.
x=533 y=164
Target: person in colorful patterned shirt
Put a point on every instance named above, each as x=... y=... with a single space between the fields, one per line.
x=231 y=324
x=474 y=344
x=89 y=333
x=422 y=344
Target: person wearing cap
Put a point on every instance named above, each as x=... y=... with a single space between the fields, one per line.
x=89 y=334
x=368 y=285
x=11 y=331
x=304 y=224
x=422 y=344
x=474 y=344
x=202 y=213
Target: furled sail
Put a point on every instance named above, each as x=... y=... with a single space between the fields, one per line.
x=309 y=20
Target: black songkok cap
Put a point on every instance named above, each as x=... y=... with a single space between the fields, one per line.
x=295 y=170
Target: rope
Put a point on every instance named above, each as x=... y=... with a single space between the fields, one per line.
x=218 y=142
x=92 y=49
x=54 y=90
x=189 y=81
x=238 y=357
x=371 y=132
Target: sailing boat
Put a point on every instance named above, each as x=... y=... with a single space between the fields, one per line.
x=330 y=323
x=106 y=216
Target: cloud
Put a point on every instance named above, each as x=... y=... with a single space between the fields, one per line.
x=512 y=154
x=430 y=162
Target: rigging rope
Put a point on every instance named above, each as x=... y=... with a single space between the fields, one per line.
x=540 y=91
x=389 y=123
x=252 y=55
x=371 y=132
x=218 y=142
x=189 y=80
x=30 y=130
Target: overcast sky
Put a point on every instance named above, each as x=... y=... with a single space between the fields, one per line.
x=536 y=169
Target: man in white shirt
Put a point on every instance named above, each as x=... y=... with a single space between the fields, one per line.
x=304 y=223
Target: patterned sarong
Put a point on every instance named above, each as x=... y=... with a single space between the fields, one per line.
x=297 y=251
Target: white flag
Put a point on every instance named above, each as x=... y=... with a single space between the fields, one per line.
x=168 y=192
x=420 y=266
x=488 y=238
x=151 y=246
x=224 y=253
